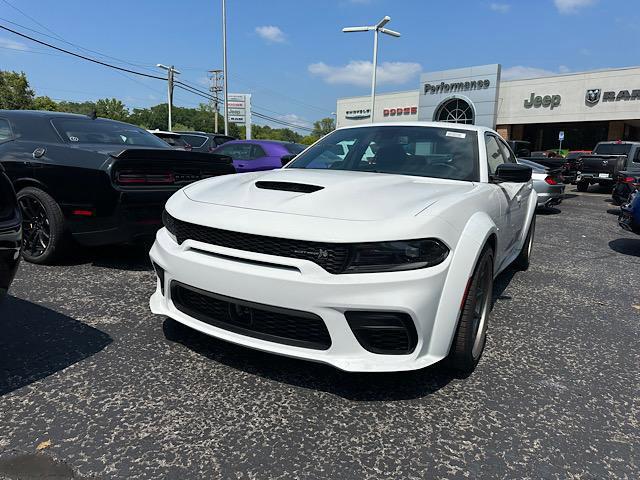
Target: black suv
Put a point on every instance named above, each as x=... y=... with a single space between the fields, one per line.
x=204 y=142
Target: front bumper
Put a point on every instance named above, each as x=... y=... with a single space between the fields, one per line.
x=300 y=285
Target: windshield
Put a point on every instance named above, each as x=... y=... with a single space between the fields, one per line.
x=80 y=130
x=613 y=149
x=421 y=151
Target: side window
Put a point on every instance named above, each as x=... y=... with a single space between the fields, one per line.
x=5 y=131
x=237 y=151
x=637 y=157
x=257 y=152
x=495 y=156
x=507 y=152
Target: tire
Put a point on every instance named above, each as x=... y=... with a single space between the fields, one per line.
x=523 y=260
x=42 y=225
x=470 y=338
x=582 y=186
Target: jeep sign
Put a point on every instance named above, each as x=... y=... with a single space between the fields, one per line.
x=548 y=101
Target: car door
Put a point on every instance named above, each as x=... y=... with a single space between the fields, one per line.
x=519 y=215
x=513 y=194
x=510 y=196
x=14 y=155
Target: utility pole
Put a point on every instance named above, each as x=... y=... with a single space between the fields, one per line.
x=225 y=72
x=216 y=89
x=170 y=73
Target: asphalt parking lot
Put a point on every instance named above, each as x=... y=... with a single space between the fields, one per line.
x=120 y=393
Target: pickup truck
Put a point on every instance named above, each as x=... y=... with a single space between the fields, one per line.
x=608 y=161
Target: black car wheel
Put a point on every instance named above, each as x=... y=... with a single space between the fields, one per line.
x=42 y=226
x=471 y=335
x=583 y=186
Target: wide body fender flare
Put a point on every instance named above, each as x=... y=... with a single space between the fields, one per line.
x=479 y=230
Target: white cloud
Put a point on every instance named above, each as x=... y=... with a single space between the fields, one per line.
x=500 y=7
x=271 y=33
x=13 y=45
x=572 y=6
x=519 y=71
x=358 y=72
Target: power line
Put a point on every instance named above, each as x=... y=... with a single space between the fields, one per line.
x=99 y=62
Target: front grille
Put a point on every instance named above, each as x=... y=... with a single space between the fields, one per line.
x=274 y=324
x=330 y=256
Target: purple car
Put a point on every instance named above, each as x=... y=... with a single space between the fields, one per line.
x=254 y=155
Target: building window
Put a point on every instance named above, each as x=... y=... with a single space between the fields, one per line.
x=455 y=110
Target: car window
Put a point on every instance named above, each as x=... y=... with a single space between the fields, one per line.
x=196 y=141
x=404 y=150
x=495 y=156
x=294 y=148
x=80 y=130
x=257 y=152
x=5 y=131
x=237 y=151
x=506 y=151
x=612 y=149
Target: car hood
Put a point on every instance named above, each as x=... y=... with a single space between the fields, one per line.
x=341 y=195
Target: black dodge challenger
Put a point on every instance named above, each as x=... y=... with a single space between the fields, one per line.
x=96 y=180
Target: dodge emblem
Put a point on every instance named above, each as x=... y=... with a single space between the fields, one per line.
x=593 y=96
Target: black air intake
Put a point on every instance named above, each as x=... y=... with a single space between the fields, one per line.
x=386 y=333
x=288 y=187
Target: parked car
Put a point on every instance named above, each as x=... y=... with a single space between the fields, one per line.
x=547 y=182
x=10 y=227
x=98 y=180
x=204 y=142
x=173 y=139
x=255 y=155
x=629 y=217
x=554 y=161
x=609 y=162
x=368 y=264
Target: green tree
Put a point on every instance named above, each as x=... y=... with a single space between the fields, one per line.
x=44 y=103
x=112 y=108
x=15 y=92
x=323 y=127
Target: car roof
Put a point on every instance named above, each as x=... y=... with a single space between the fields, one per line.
x=194 y=132
x=456 y=126
x=45 y=113
x=164 y=132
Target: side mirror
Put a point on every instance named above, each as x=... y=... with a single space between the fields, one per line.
x=286 y=159
x=512 y=172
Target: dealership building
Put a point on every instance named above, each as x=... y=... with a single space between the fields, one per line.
x=588 y=107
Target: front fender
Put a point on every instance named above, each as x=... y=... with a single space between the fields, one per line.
x=479 y=230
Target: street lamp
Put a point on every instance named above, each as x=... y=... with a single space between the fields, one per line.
x=379 y=27
x=170 y=72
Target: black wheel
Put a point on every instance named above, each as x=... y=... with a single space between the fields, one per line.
x=523 y=260
x=42 y=226
x=471 y=335
x=582 y=186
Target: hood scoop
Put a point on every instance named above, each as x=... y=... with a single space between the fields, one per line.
x=288 y=186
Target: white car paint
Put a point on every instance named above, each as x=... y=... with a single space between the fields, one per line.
x=353 y=207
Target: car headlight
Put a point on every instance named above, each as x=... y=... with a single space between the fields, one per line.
x=169 y=223
x=396 y=256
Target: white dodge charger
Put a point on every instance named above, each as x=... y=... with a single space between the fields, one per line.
x=374 y=250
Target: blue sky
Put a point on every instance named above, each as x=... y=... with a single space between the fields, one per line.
x=292 y=56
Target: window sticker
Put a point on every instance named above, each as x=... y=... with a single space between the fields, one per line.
x=456 y=135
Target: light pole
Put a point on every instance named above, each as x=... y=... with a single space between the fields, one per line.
x=170 y=72
x=225 y=73
x=379 y=27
